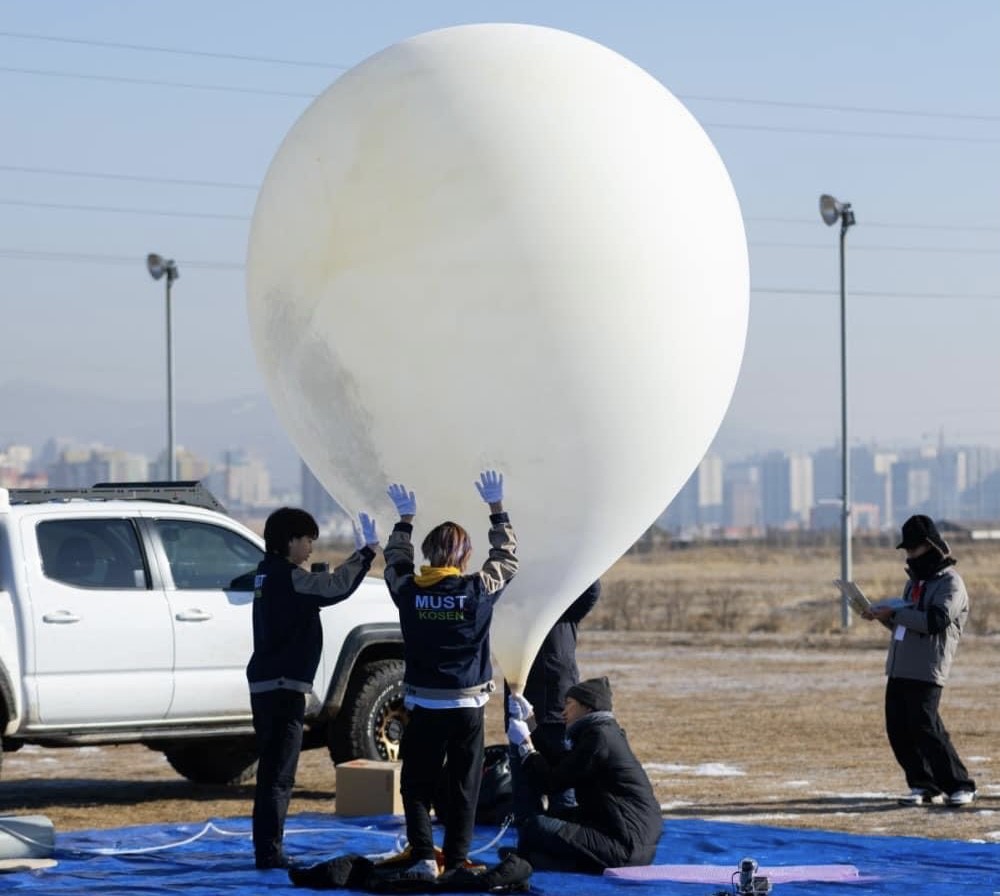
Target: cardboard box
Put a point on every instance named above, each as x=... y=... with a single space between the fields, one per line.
x=367 y=787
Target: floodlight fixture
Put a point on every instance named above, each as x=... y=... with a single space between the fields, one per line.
x=157 y=266
x=831 y=210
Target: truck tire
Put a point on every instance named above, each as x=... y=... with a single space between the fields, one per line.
x=214 y=761
x=371 y=721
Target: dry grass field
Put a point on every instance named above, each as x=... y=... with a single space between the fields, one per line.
x=737 y=687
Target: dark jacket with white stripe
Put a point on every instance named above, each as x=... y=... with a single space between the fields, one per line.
x=287 y=632
x=446 y=626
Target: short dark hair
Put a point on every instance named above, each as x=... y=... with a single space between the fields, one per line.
x=287 y=523
x=447 y=544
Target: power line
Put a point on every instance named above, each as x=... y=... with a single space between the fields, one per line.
x=146 y=82
x=834 y=107
x=872 y=294
x=302 y=63
x=120 y=79
x=985 y=228
x=885 y=135
x=61 y=206
x=112 y=209
x=142 y=178
x=855 y=247
x=148 y=48
x=33 y=255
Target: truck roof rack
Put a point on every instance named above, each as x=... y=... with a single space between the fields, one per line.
x=185 y=492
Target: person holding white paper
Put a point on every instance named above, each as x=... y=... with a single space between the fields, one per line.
x=925 y=635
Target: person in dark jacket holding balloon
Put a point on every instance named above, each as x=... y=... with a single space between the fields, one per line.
x=552 y=673
x=287 y=644
x=617 y=820
x=445 y=616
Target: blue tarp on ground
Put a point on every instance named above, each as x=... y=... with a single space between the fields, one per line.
x=216 y=859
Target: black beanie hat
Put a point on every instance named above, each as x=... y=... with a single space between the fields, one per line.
x=920 y=529
x=594 y=692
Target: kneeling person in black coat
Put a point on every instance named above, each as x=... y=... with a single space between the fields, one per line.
x=617 y=820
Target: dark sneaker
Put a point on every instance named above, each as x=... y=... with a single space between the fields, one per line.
x=277 y=860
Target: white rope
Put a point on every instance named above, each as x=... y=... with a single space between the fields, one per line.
x=503 y=830
x=211 y=828
x=400 y=842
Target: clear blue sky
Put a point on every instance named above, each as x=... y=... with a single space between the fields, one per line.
x=779 y=86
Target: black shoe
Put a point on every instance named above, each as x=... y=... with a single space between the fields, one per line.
x=505 y=851
x=278 y=860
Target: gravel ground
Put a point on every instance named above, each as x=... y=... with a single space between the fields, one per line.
x=766 y=729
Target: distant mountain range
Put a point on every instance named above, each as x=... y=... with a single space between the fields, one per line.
x=31 y=414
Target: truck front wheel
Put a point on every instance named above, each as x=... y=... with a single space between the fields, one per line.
x=371 y=721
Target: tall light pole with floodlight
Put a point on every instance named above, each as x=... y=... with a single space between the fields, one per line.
x=832 y=210
x=158 y=267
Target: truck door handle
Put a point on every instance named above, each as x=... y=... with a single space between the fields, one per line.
x=193 y=615
x=61 y=617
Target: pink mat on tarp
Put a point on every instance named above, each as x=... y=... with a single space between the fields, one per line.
x=723 y=874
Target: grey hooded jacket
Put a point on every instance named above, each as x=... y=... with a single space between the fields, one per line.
x=932 y=629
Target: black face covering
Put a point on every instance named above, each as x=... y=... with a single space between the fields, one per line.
x=927 y=565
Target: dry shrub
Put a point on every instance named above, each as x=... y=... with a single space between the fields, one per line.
x=778 y=589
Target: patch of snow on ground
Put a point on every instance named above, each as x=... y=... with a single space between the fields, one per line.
x=756 y=816
x=797 y=783
x=869 y=795
x=676 y=804
x=705 y=770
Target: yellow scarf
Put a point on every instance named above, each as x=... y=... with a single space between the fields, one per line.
x=431 y=575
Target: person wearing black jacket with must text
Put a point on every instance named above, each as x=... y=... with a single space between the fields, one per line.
x=926 y=625
x=445 y=616
x=617 y=821
x=287 y=643
x=552 y=673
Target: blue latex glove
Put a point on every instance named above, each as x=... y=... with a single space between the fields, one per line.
x=518 y=707
x=365 y=534
x=518 y=732
x=406 y=503
x=490 y=486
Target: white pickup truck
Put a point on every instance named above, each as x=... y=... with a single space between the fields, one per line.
x=125 y=616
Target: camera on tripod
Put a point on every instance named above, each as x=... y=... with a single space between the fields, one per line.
x=750 y=883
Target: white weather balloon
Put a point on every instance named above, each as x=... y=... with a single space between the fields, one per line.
x=502 y=246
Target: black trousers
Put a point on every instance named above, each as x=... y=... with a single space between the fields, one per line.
x=431 y=735
x=919 y=739
x=277 y=722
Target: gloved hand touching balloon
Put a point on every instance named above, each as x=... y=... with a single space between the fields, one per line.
x=518 y=707
x=490 y=488
x=406 y=503
x=365 y=534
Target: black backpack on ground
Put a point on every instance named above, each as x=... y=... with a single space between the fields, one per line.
x=496 y=792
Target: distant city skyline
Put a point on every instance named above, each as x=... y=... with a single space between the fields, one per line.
x=132 y=132
x=736 y=497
